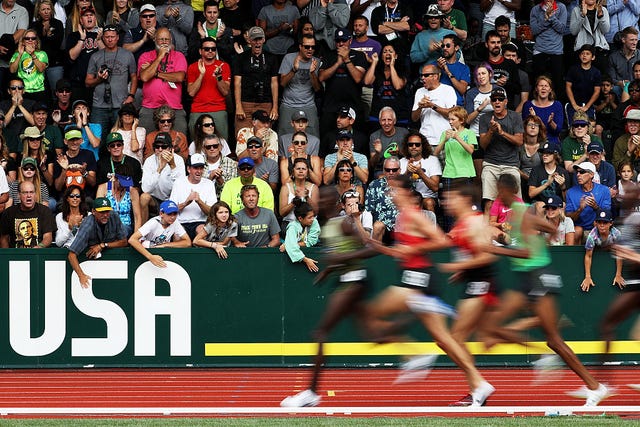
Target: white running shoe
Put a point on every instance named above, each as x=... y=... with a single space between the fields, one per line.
x=634 y=386
x=594 y=397
x=302 y=399
x=546 y=369
x=580 y=393
x=482 y=393
x=416 y=369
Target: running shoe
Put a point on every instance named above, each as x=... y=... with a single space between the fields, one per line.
x=416 y=369
x=302 y=399
x=580 y=393
x=546 y=369
x=465 y=401
x=482 y=393
x=634 y=386
x=594 y=397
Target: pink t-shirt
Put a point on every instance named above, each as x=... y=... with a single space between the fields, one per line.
x=499 y=210
x=157 y=92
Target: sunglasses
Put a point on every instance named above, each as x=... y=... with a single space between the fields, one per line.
x=309 y=46
x=350 y=194
x=74 y=196
x=245 y=168
x=428 y=74
x=581 y=171
x=250 y=146
x=16 y=87
x=414 y=144
x=28 y=168
x=116 y=145
x=208 y=125
x=65 y=90
x=160 y=146
x=211 y=146
x=551 y=208
x=581 y=125
x=209 y=49
x=299 y=142
x=149 y=16
x=498 y=99
x=345 y=170
x=30 y=39
x=634 y=89
x=166 y=120
x=391 y=169
x=447 y=45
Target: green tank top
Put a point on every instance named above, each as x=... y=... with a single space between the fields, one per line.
x=334 y=240
x=538 y=252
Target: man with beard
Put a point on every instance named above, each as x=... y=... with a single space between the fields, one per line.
x=299 y=78
x=232 y=190
x=427 y=46
x=454 y=73
x=257 y=227
x=162 y=70
x=194 y=195
x=505 y=71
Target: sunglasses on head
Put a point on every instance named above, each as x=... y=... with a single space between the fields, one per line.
x=299 y=142
x=211 y=146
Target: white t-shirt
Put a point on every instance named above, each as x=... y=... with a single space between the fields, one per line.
x=153 y=233
x=432 y=124
x=192 y=212
x=4 y=185
x=496 y=10
x=432 y=167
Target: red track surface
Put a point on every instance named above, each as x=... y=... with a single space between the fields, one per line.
x=241 y=388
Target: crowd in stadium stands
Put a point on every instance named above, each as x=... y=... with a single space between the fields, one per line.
x=213 y=123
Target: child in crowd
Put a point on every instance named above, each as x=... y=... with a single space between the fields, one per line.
x=219 y=230
x=603 y=234
x=302 y=233
x=605 y=107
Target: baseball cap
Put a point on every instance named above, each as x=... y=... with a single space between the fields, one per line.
x=29 y=161
x=344 y=134
x=587 y=166
x=101 y=204
x=549 y=147
x=347 y=111
x=246 y=161
x=169 y=207
x=604 y=215
x=109 y=27
x=63 y=84
x=594 y=147
x=498 y=92
x=256 y=33
x=163 y=138
x=633 y=114
x=146 y=7
x=196 y=159
x=125 y=181
x=299 y=115
x=554 y=201
x=40 y=106
x=342 y=34
x=78 y=102
x=254 y=140
x=261 y=115
x=433 y=11
x=73 y=133
x=114 y=137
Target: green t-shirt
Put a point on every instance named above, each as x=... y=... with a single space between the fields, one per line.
x=539 y=254
x=231 y=194
x=458 y=162
x=27 y=71
x=458 y=19
x=572 y=150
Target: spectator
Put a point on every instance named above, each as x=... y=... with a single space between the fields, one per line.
x=351 y=204
x=73 y=211
x=255 y=80
x=344 y=179
x=265 y=168
x=345 y=151
x=124 y=16
x=627 y=147
x=503 y=28
x=91 y=132
x=262 y=129
x=299 y=78
x=548 y=21
x=493 y=10
x=141 y=39
x=28 y=171
x=162 y=231
x=208 y=83
x=636 y=75
x=605 y=106
x=73 y=19
x=133 y=135
x=621 y=60
x=388 y=78
x=548 y=179
x=159 y=173
x=8 y=162
x=97 y=232
x=455 y=73
x=231 y=192
x=303 y=232
x=235 y=17
x=505 y=71
x=379 y=202
x=162 y=71
x=574 y=146
x=279 y=21
x=299 y=145
x=297 y=190
x=327 y=18
x=14 y=20
x=583 y=82
x=27 y=224
x=219 y=230
x=500 y=214
x=194 y=195
x=478 y=98
x=342 y=72
x=344 y=121
x=627 y=186
x=427 y=46
x=586 y=198
x=500 y=137
x=123 y=196
x=623 y=14
x=29 y=62
x=112 y=75
x=589 y=23
x=106 y=164
x=602 y=234
x=299 y=123
x=212 y=27
x=62 y=111
x=257 y=226
x=391 y=22
x=633 y=103
x=51 y=135
x=605 y=171
x=164 y=118
x=177 y=17
x=554 y=213
x=80 y=45
x=32 y=146
x=454 y=19
x=423 y=168
x=361 y=40
x=385 y=141
x=4 y=185
x=75 y=162
x=16 y=109
x=218 y=168
x=203 y=127
x=510 y=51
x=545 y=106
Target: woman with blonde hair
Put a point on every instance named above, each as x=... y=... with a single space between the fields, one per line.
x=29 y=62
x=28 y=171
x=574 y=146
x=51 y=33
x=124 y=16
x=544 y=105
x=33 y=146
x=73 y=20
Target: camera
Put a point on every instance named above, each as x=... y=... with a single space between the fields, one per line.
x=106 y=97
x=105 y=67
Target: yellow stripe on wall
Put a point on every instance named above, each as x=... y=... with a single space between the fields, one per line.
x=405 y=348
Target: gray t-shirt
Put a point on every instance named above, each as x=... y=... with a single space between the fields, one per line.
x=122 y=64
x=299 y=92
x=500 y=151
x=397 y=137
x=284 y=142
x=268 y=166
x=279 y=44
x=257 y=231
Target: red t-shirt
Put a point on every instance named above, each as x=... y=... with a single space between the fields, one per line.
x=208 y=99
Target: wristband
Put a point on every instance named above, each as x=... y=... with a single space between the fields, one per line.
x=347 y=63
x=133 y=95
